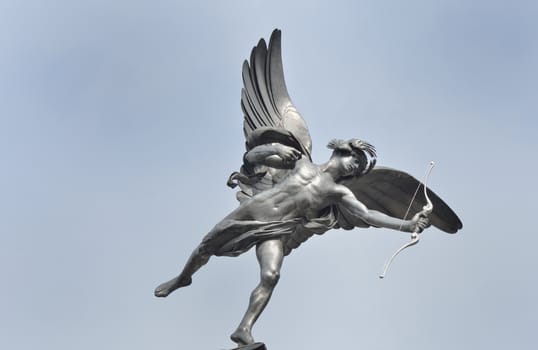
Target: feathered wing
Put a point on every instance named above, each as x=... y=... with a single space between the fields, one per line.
x=390 y=191
x=267 y=107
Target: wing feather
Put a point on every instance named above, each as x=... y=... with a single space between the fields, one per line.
x=249 y=96
x=275 y=72
x=248 y=126
x=248 y=108
x=264 y=92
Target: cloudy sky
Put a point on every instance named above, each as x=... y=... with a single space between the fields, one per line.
x=120 y=123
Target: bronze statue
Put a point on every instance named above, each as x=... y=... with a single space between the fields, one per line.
x=285 y=198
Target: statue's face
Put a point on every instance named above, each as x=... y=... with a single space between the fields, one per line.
x=346 y=163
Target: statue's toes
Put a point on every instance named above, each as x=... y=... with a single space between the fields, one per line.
x=162 y=291
x=168 y=287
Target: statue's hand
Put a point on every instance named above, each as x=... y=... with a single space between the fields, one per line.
x=420 y=222
x=288 y=154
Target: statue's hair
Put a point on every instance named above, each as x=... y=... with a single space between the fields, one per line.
x=362 y=151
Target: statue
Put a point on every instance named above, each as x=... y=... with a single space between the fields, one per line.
x=285 y=198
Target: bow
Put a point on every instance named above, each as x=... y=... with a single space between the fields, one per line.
x=426 y=210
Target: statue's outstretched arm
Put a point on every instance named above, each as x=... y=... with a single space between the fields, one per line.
x=352 y=206
x=274 y=155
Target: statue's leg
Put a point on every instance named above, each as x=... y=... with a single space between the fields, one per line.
x=211 y=243
x=270 y=255
x=198 y=258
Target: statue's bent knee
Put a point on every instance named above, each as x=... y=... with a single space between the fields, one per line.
x=270 y=277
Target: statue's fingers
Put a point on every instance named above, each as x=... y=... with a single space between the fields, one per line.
x=424 y=222
x=424 y=213
x=288 y=154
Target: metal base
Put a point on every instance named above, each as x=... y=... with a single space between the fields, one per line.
x=255 y=346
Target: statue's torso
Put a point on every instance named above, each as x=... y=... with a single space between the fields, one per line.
x=302 y=192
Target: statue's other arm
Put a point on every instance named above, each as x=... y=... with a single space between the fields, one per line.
x=352 y=206
x=274 y=155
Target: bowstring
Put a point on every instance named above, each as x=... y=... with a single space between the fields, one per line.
x=410 y=205
x=415 y=194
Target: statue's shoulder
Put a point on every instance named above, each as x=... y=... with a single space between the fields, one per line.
x=307 y=170
x=306 y=164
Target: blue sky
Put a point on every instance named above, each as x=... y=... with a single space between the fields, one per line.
x=120 y=123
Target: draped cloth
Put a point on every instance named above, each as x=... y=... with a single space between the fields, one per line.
x=235 y=237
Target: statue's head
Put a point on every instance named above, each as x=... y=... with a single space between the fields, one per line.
x=354 y=157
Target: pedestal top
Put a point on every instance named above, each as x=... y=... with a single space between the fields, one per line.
x=255 y=346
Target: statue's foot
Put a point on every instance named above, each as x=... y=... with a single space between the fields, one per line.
x=168 y=287
x=242 y=336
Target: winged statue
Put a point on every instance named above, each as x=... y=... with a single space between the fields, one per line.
x=284 y=198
